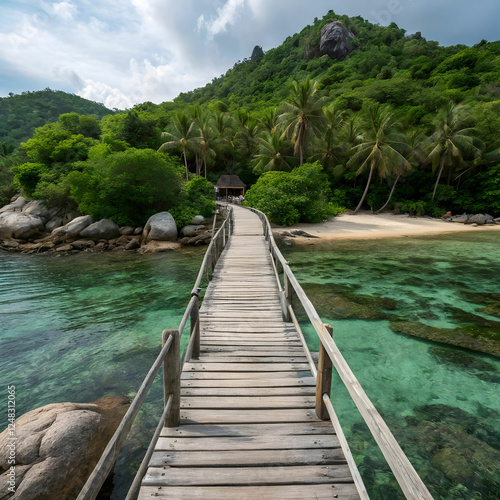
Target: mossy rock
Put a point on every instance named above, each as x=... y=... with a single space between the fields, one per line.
x=490 y=300
x=336 y=302
x=460 y=359
x=476 y=338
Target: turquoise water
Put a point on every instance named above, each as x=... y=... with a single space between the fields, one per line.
x=84 y=326
x=442 y=403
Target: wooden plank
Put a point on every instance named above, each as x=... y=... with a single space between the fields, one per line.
x=253 y=359
x=245 y=367
x=293 y=492
x=247 y=391
x=248 y=402
x=268 y=442
x=241 y=430
x=210 y=375
x=249 y=382
x=248 y=457
x=247 y=416
x=235 y=476
x=256 y=351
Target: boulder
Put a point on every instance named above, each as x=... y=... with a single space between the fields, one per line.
x=83 y=244
x=73 y=228
x=138 y=231
x=335 y=38
x=101 y=230
x=58 y=446
x=478 y=219
x=198 y=219
x=39 y=209
x=15 y=206
x=160 y=227
x=191 y=230
x=19 y=225
x=126 y=230
x=462 y=219
x=133 y=244
x=53 y=223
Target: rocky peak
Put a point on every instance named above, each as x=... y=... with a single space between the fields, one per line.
x=335 y=38
x=257 y=53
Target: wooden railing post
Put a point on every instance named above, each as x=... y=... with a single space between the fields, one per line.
x=195 y=330
x=172 y=377
x=287 y=287
x=324 y=379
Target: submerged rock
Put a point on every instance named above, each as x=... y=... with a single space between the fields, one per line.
x=58 y=446
x=476 y=338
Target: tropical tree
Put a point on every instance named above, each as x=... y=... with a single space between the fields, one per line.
x=205 y=139
x=381 y=149
x=451 y=143
x=303 y=115
x=328 y=144
x=182 y=134
x=272 y=153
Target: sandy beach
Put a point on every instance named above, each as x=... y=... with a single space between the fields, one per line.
x=365 y=225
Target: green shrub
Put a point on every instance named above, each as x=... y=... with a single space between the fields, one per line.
x=290 y=197
x=196 y=198
x=27 y=175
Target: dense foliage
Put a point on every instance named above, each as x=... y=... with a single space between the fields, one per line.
x=400 y=124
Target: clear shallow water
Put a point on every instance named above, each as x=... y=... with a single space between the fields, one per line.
x=442 y=403
x=82 y=327
x=86 y=326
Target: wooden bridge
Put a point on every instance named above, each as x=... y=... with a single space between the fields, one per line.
x=247 y=414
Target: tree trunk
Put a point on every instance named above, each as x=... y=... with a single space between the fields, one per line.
x=185 y=162
x=372 y=168
x=390 y=194
x=441 y=168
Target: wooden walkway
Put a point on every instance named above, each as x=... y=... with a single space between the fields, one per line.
x=248 y=425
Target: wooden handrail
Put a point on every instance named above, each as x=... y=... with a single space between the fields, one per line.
x=410 y=482
x=169 y=357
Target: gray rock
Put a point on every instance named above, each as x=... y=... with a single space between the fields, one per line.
x=138 y=230
x=72 y=228
x=299 y=232
x=83 y=244
x=335 y=40
x=101 y=230
x=191 y=230
x=39 y=209
x=15 y=206
x=462 y=219
x=478 y=219
x=160 y=227
x=53 y=223
x=19 y=225
x=58 y=446
x=133 y=244
x=198 y=219
x=126 y=230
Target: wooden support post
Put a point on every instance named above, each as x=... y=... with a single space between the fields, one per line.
x=324 y=378
x=287 y=286
x=195 y=330
x=172 y=377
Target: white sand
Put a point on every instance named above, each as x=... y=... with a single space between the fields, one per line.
x=370 y=226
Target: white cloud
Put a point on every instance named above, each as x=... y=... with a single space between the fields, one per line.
x=65 y=10
x=227 y=14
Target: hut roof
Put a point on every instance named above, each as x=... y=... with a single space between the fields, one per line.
x=230 y=181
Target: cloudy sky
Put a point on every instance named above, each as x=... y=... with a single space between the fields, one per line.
x=123 y=52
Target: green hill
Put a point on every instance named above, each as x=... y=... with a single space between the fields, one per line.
x=21 y=114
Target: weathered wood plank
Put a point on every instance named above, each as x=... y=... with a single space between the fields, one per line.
x=247 y=391
x=248 y=457
x=249 y=382
x=241 y=430
x=293 y=492
x=245 y=367
x=248 y=402
x=269 y=442
x=235 y=476
x=253 y=359
x=247 y=416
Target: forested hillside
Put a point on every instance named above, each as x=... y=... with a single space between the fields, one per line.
x=21 y=114
x=400 y=123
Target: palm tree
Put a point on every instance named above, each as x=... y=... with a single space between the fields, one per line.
x=182 y=134
x=451 y=142
x=381 y=149
x=205 y=139
x=272 y=153
x=413 y=153
x=303 y=115
x=329 y=145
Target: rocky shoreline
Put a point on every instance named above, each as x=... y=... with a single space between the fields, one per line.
x=30 y=227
